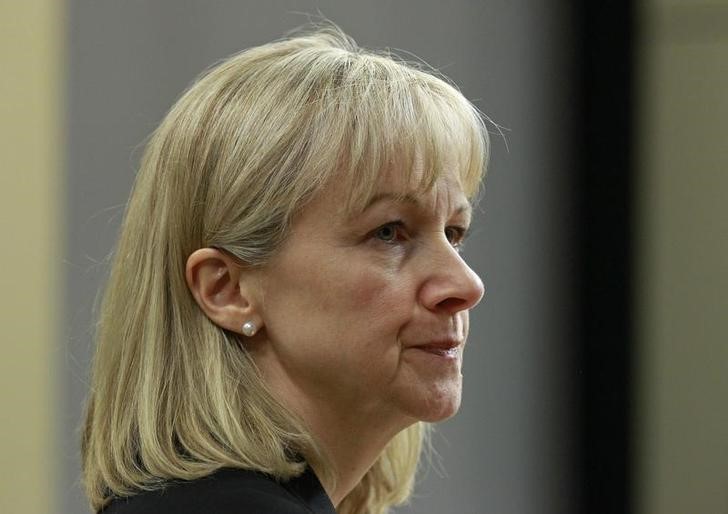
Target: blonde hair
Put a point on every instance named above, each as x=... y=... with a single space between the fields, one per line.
x=174 y=396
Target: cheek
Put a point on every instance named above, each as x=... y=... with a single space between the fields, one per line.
x=351 y=297
x=368 y=287
x=372 y=295
x=352 y=281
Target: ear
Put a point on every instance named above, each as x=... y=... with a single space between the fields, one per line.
x=224 y=290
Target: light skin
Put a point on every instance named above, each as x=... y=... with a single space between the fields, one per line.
x=362 y=319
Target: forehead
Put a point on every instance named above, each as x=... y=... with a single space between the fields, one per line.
x=445 y=193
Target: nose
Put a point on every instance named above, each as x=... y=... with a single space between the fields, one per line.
x=452 y=286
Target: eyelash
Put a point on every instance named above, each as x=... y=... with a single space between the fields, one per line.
x=461 y=234
x=397 y=226
x=457 y=240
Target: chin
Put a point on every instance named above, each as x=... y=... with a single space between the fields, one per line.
x=439 y=407
x=442 y=414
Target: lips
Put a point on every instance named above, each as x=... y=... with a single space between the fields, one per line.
x=444 y=347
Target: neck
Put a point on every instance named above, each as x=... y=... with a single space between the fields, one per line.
x=351 y=448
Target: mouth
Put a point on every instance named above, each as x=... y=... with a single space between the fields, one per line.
x=447 y=348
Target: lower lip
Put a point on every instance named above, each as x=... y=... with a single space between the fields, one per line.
x=447 y=354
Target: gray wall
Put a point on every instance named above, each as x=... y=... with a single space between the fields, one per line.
x=681 y=420
x=511 y=448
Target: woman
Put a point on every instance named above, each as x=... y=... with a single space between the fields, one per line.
x=287 y=306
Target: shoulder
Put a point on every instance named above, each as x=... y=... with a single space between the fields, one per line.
x=228 y=491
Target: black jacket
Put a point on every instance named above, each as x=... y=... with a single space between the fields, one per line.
x=230 y=491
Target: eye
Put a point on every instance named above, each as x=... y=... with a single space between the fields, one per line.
x=456 y=235
x=390 y=232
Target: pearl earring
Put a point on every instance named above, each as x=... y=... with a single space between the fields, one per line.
x=249 y=329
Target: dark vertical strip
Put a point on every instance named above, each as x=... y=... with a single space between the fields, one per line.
x=604 y=180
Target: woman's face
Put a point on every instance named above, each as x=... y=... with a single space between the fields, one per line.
x=368 y=315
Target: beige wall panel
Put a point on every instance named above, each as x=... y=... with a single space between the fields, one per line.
x=30 y=195
x=682 y=412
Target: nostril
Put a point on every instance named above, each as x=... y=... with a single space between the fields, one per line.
x=452 y=304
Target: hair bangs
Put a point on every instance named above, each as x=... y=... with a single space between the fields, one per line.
x=399 y=119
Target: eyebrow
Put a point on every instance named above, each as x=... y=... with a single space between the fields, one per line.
x=408 y=199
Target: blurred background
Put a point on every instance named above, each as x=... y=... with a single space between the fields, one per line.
x=596 y=375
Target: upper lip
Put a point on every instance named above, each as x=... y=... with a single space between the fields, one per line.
x=444 y=343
